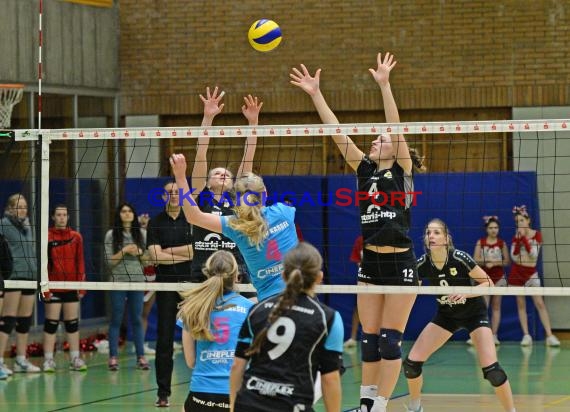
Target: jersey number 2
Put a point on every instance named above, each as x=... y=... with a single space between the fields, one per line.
x=281 y=333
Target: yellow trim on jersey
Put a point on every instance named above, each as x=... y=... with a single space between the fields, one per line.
x=96 y=3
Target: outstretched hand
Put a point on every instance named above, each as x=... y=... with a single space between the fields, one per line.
x=303 y=79
x=385 y=66
x=178 y=165
x=251 y=109
x=212 y=106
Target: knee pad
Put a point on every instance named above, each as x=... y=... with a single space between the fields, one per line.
x=390 y=344
x=71 y=326
x=412 y=369
x=369 y=348
x=23 y=324
x=50 y=326
x=7 y=324
x=495 y=374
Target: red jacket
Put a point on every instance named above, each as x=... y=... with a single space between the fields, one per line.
x=65 y=256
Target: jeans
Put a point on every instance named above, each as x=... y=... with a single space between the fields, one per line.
x=167 y=308
x=135 y=306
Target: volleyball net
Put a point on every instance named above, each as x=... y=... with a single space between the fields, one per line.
x=474 y=169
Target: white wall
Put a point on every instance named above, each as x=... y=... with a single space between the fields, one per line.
x=549 y=155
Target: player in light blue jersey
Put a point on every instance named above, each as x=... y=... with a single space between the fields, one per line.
x=211 y=316
x=263 y=234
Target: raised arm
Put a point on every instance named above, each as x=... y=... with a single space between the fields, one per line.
x=212 y=108
x=382 y=77
x=310 y=84
x=191 y=210
x=250 y=110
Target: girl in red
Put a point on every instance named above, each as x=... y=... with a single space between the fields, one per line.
x=492 y=254
x=65 y=263
x=524 y=253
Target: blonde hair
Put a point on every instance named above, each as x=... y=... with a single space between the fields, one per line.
x=248 y=220
x=437 y=221
x=12 y=201
x=195 y=310
x=302 y=266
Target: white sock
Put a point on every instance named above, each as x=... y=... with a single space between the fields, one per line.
x=20 y=359
x=48 y=355
x=415 y=404
x=368 y=391
x=382 y=401
x=2 y=361
x=74 y=354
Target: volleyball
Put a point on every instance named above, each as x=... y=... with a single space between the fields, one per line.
x=264 y=35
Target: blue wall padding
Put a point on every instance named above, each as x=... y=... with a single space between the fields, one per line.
x=460 y=199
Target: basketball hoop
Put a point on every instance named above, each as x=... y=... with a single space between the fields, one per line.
x=10 y=95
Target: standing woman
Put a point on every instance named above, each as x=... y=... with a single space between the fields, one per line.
x=524 y=253
x=211 y=316
x=6 y=266
x=263 y=234
x=492 y=255
x=18 y=303
x=125 y=247
x=388 y=256
x=217 y=184
x=286 y=340
x=443 y=265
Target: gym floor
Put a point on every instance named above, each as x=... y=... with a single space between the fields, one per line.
x=539 y=376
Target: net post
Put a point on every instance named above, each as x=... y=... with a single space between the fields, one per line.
x=42 y=211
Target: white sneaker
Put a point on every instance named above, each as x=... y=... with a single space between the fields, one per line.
x=526 y=340
x=469 y=342
x=49 y=365
x=148 y=350
x=5 y=369
x=25 y=367
x=496 y=339
x=177 y=346
x=350 y=343
x=77 y=364
x=3 y=375
x=414 y=410
x=552 y=341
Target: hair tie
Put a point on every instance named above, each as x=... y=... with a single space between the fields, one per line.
x=520 y=210
x=486 y=219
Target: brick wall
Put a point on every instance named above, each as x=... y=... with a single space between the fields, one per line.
x=452 y=54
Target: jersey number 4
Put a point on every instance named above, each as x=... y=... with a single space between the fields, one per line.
x=272 y=252
x=281 y=333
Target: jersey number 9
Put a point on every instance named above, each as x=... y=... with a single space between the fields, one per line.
x=282 y=333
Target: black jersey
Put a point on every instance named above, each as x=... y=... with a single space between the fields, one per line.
x=305 y=339
x=385 y=216
x=207 y=242
x=455 y=272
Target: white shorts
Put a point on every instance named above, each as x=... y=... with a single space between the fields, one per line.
x=533 y=281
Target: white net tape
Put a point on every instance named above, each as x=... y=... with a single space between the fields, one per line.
x=10 y=95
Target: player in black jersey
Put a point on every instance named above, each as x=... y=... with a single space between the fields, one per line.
x=214 y=197
x=385 y=175
x=287 y=339
x=443 y=265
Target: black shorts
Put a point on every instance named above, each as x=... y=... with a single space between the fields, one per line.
x=249 y=401
x=392 y=269
x=207 y=402
x=453 y=325
x=25 y=292
x=63 y=297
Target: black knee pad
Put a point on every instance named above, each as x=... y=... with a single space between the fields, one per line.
x=50 y=326
x=412 y=369
x=23 y=324
x=71 y=326
x=390 y=344
x=495 y=374
x=369 y=347
x=7 y=324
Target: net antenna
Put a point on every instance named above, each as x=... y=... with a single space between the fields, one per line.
x=10 y=96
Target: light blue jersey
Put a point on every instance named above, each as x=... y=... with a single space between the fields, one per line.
x=214 y=359
x=266 y=263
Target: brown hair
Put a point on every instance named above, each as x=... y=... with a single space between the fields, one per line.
x=417 y=160
x=302 y=266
